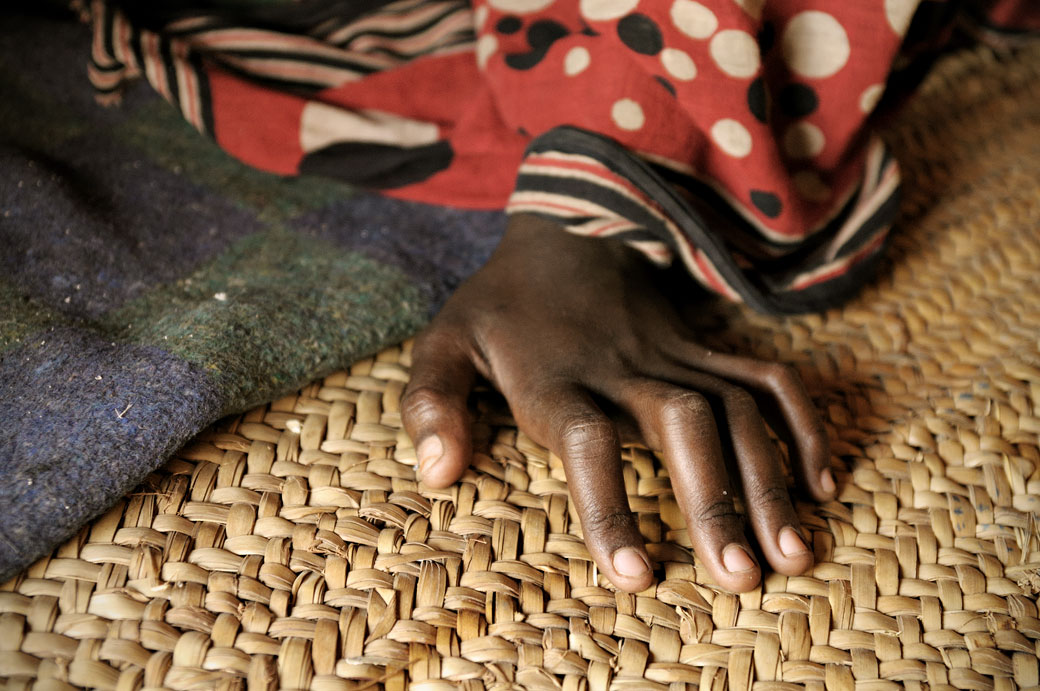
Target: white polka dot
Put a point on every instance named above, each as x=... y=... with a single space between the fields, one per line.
x=694 y=19
x=576 y=60
x=604 y=10
x=678 y=64
x=735 y=52
x=815 y=44
x=732 y=137
x=486 y=46
x=480 y=16
x=803 y=140
x=811 y=187
x=900 y=13
x=520 y=6
x=752 y=7
x=627 y=114
x=870 y=97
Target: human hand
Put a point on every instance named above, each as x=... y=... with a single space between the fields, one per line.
x=566 y=327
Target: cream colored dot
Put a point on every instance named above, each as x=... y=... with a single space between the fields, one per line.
x=868 y=100
x=694 y=19
x=576 y=60
x=732 y=137
x=803 y=140
x=627 y=114
x=811 y=187
x=480 y=16
x=900 y=13
x=486 y=46
x=520 y=6
x=604 y=10
x=815 y=44
x=752 y=7
x=735 y=52
x=678 y=64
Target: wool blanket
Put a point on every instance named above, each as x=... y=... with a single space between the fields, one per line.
x=150 y=284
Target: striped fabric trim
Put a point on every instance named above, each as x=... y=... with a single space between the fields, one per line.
x=566 y=185
x=594 y=187
x=333 y=53
x=881 y=181
x=121 y=52
x=406 y=30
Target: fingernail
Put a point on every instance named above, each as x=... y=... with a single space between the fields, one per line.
x=629 y=562
x=736 y=559
x=790 y=542
x=430 y=452
x=827 y=481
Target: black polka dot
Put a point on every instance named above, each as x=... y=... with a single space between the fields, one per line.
x=544 y=33
x=540 y=35
x=666 y=84
x=640 y=33
x=758 y=100
x=766 y=202
x=509 y=25
x=797 y=100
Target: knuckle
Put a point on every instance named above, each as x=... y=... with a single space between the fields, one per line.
x=608 y=522
x=586 y=434
x=687 y=412
x=719 y=513
x=780 y=375
x=422 y=401
x=739 y=402
x=772 y=496
x=434 y=337
x=684 y=407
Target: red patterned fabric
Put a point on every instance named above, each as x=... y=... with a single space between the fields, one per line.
x=730 y=135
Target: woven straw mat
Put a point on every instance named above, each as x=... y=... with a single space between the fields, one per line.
x=292 y=546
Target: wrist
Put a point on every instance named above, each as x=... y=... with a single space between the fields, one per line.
x=548 y=243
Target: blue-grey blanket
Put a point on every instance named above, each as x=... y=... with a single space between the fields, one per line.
x=150 y=284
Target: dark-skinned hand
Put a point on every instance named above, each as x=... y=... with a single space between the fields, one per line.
x=567 y=327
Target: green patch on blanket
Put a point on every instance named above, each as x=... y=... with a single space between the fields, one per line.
x=272 y=311
x=165 y=138
x=22 y=316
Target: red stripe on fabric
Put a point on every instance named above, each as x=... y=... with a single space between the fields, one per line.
x=598 y=170
x=554 y=205
x=610 y=226
x=191 y=106
x=293 y=46
x=711 y=275
x=156 y=69
x=427 y=40
x=420 y=14
x=101 y=56
x=842 y=269
x=292 y=70
x=121 y=42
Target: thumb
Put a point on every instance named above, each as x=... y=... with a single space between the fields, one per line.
x=434 y=409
